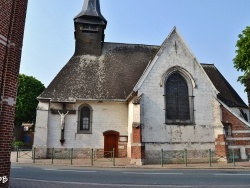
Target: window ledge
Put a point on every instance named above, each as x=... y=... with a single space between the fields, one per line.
x=84 y=132
x=179 y=122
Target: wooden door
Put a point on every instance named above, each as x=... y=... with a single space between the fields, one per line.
x=110 y=142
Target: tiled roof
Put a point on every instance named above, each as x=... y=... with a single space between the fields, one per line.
x=114 y=74
x=109 y=76
x=227 y=94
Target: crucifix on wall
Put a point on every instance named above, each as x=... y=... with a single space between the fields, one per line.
x=63 y=113
x=63 y=116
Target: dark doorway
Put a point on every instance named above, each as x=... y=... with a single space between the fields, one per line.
x=110 y=142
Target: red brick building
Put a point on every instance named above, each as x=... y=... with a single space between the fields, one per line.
x=12 y=21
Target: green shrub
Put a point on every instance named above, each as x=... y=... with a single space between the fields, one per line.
x=17 y=143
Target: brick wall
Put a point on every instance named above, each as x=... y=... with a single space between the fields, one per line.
x=136 y=135
x=138 y=152
x=137 y=148
x=234 y=121
x=221 y=148
x=240 y=134
x=12 y=21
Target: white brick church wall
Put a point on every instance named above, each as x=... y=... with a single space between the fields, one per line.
x=155 y=133
x=106 y=116
x=130 y=122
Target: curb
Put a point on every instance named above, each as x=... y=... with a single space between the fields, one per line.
x=174 y=166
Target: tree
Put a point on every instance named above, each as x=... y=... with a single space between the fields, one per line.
x=29 y=88
x=242 y=59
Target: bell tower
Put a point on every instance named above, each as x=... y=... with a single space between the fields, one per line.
x=89 y=29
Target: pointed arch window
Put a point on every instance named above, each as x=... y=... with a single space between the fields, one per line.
x=178 y=103
x=85 y=119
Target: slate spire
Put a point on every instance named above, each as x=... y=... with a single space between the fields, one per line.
x=91 y=10
x=89 y=29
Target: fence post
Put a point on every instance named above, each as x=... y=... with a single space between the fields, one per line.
x=113 y=156
x=213 y=154
x=17 y=153
x=233 y=158
x=34 y=154
x=209 y=155
x=52 y=155
x=161 y=157
x=92 y=156
x=185 y=157
x=71 y=156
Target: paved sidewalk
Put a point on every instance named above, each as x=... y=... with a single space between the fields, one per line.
x=123 y=163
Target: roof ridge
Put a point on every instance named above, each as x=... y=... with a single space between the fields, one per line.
x=131 y=44
x=207 y=64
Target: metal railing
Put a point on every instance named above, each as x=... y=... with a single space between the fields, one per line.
x=202 y=156
x=105 y=156
x=22 y=153
x=178 y=156
x=68 y=154
x=91 y=157
x=215 y=156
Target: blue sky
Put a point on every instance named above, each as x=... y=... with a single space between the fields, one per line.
x=210 y=28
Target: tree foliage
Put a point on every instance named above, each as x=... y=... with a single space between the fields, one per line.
x=242 y=58
x=29 y=88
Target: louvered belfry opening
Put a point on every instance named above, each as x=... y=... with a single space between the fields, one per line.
x=177 y=98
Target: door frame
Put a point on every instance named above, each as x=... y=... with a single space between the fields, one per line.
x=113 y=133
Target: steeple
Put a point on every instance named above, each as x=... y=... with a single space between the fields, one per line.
x=89 y=29
x=91 y=8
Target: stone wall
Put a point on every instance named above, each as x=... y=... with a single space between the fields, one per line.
x=78 y=153
x=195 y=152
x=176 y=156
x=12 y=21
x=64 y=153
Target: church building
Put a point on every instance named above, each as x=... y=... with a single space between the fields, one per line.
x=138 y=99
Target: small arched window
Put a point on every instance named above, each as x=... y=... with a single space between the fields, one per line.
x=85 y=119
x=177 y=100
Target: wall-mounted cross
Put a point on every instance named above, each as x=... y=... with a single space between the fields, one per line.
x=63 y=113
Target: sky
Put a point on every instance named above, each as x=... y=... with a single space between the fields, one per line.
x=209 y=27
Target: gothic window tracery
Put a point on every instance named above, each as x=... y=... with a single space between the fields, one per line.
x=178 y=100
